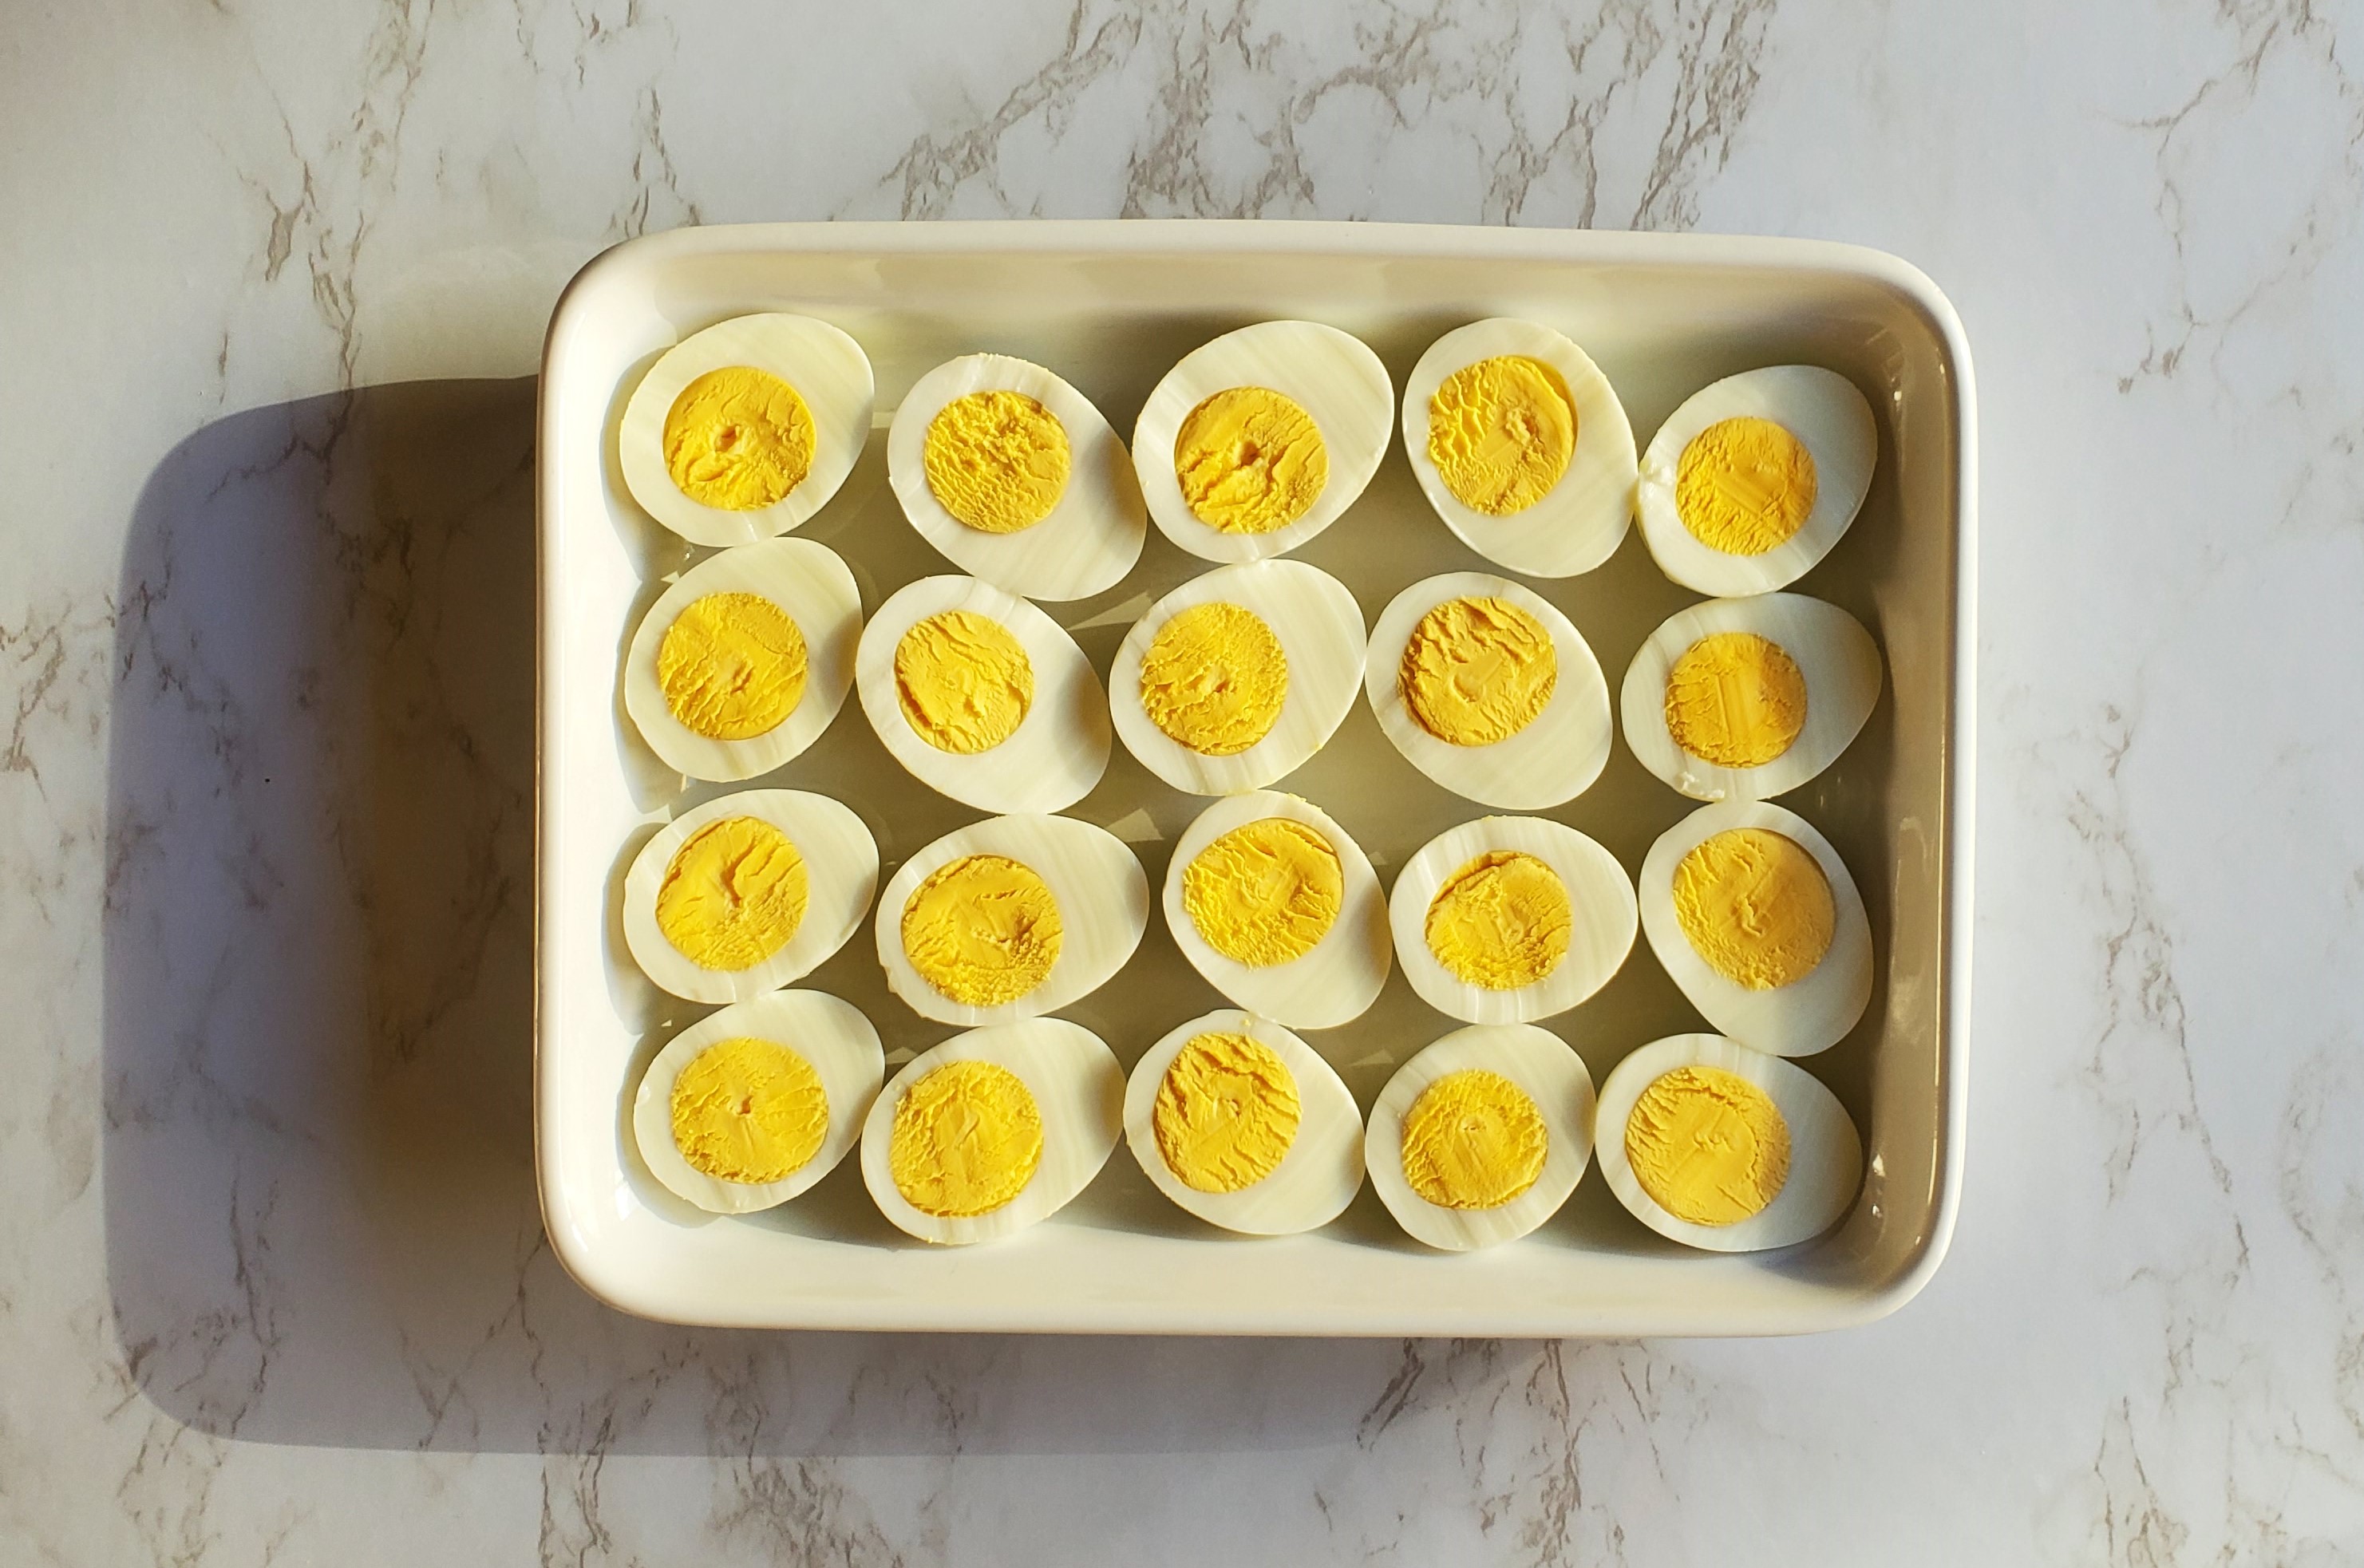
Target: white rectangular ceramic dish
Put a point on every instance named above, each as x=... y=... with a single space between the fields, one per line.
x=1110 y=307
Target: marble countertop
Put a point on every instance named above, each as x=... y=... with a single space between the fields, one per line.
x=272 y=1284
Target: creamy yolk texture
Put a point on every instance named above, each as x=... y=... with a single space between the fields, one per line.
x=1473 y=1139
x=1745 y=486
x=997 y=460
x=982 y=930
x=1502 y=921
x=1264 y=892
x=731 y=666
x=964 y=681
x=1250 y=461
x=749 y=1110
x=1756 y=906
x=1735 y=699
x=1226 y=1112
x=734 y=893
x=967 y=1138
x=1214 y=679
x=737 y=439
x=1708 y=1146
x=1478 y=671
x=1501 y=433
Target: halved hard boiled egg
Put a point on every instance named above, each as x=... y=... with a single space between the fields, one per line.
x=1244 y=1125
x=1010 y=917
x=745 y=430
x=1753 y=914
x=747 y=892
x=1258 y=441
x=1741 y=699
x=982 y=696
x=1280 y=910
x=1714 y=1145
x=1238 y=676
x=744 y=661
x=1750 y=483
x=749 y=1106
x=1520 y=443
x=1480 y=1138
x=1508 y=919
x=993 y=1131
x=1488 y=689
x=1015 y=478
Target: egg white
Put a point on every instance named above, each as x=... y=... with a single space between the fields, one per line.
x=840 y=871
x=1580 y=521
x=1825 y=1152
x=1333 y=375
x=1319 y=628
x=1314 y=1181
x=1058 y=750
x=830 y=1034
x=1832 y=651
x=1798 y=1020
x=1822 y=409
x=1333 y=982
x=1554 y=759
x=1552 y=1076
x=826 y=368
x=1092 y=535
x=1078 y=1087
x=1099 y=886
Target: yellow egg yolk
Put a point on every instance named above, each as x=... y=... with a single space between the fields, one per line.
x=738 y=439
x=1250 y=461
x=1501 y=433
x=1735 y=699
x=1214 y=679
x=1264 y=892
x=1756 y=906
x=1745 y=486
x=734 y=893
x=1708 y=1146
x=731 y=666
x=1502 y=921
x=997 y=460
x=964 y=681
x=1226 y=1112
x=967 y=1138
x=1473 y=1139
x=982 y=930
x=1478 y=671
x=749 y=1110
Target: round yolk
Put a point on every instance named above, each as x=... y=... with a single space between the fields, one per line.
x=1501 y=433
x=1756 y=906
x=1226 y=1113
x=982 y=930
x=1708 y=1146
x=734 y=893
x=1264 y=892
x=1735 y=699
x=1745 y=486
x=1473 y=1139
x=1502 y=921
x=997 y=460
x=738 y=439
x=1478 y=671
x=1214 y=679
x=964 y=681
x=749 y=1110
x=731 y=666
x=1250 y=461
x=967 y=1138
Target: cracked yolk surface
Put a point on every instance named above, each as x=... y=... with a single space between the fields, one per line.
x=1745 y=486
x=1473 y=1139
x=1502 y=921
x=1756 y=906
x=1226 y=1112
x=731 y=666
x=966 y=1138
x=1478 y=671
x=1709 y=1147
x=997 y=460
x=738 y=439
x=965 y=683
x=1735 y=699
x=749 y=1110
x=1264 y=892
x=1214 y=679
x=982 y=930
x=1501 y=433
x=1250 y=459
x=734 y=893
